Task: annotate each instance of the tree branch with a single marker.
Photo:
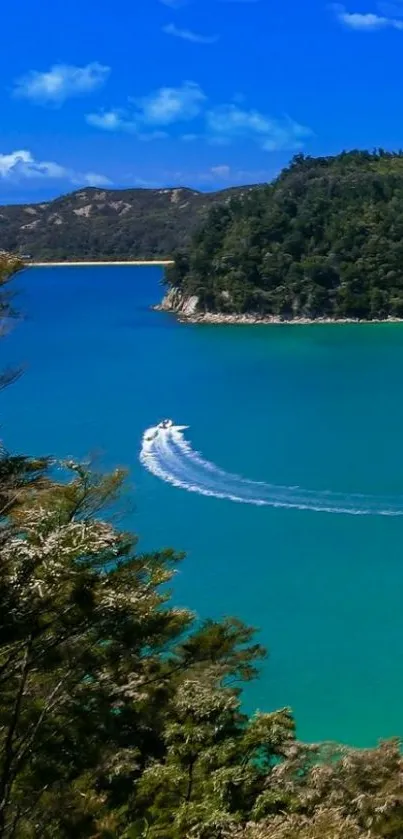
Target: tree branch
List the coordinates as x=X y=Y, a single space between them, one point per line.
x=6 y=775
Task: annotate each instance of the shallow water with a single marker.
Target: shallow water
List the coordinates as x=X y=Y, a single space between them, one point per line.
x=313 y=409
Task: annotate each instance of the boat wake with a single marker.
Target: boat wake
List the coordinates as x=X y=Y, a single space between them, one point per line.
x=167 y=454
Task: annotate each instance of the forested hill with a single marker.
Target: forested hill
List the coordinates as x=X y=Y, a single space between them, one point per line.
x=110 y=224
x=324 y=239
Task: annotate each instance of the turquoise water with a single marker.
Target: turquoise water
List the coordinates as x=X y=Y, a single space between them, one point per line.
x=317 y=407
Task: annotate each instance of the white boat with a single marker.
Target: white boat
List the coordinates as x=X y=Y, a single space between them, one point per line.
x=165 y=425
x=152 y=433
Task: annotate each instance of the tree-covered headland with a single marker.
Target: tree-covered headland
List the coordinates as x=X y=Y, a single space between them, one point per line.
x=325 y=239
x=120 y=713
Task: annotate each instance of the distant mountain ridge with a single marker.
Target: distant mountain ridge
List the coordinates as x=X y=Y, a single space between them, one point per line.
x=108 y=224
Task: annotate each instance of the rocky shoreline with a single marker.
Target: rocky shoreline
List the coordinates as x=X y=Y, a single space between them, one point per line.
x=186 y=311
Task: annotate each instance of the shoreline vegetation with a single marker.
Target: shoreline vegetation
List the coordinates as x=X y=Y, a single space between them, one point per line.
x=186 y=311
x=222 y=319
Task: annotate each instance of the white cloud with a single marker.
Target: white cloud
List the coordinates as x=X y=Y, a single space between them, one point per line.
x=367 y=22
x=226 y=123
x=151 y=117
x=20 y=165
x=188 y=35
x=222 y=171
x=61 y=82
x=161 y=108
x=113 y=120
x=218 y=176
x=171 y=104
x=120 y=120
x=95 y=179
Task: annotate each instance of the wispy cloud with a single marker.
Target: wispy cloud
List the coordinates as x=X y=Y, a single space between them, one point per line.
x=113 y=120
x=188 y=35
x=391 y=9
x=123 y=120
x=152 y=117
x=227 y=123
x=20 y=165
x=365 y=22
x=61 y=82
x=222 y=171
x=220 y=175
x=163 y=107
x=93 y=179
x=171 y=104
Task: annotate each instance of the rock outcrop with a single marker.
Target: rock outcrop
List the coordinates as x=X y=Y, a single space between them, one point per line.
x=175 y=301
x=185 y=308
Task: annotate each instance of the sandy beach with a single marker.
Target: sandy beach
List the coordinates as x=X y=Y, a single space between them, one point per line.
x=98 y=262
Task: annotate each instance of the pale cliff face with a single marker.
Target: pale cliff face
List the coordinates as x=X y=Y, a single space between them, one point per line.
x=174 y=301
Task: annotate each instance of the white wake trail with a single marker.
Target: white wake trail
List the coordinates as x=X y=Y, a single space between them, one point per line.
x=168 y=455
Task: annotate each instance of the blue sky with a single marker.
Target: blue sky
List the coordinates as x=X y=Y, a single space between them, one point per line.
x=205 y=93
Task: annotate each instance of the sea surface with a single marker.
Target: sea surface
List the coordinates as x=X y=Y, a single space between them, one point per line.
x=310 y=416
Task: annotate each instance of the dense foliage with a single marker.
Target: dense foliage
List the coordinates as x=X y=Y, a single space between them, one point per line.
x=325 y=239
x=106 y=224
x=120 y=713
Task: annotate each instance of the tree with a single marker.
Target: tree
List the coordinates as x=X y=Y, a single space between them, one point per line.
x=332 y=792
x=19 y=474
x=9 y=265
x=324 y=239
x=216 y=762
x=92 y=662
